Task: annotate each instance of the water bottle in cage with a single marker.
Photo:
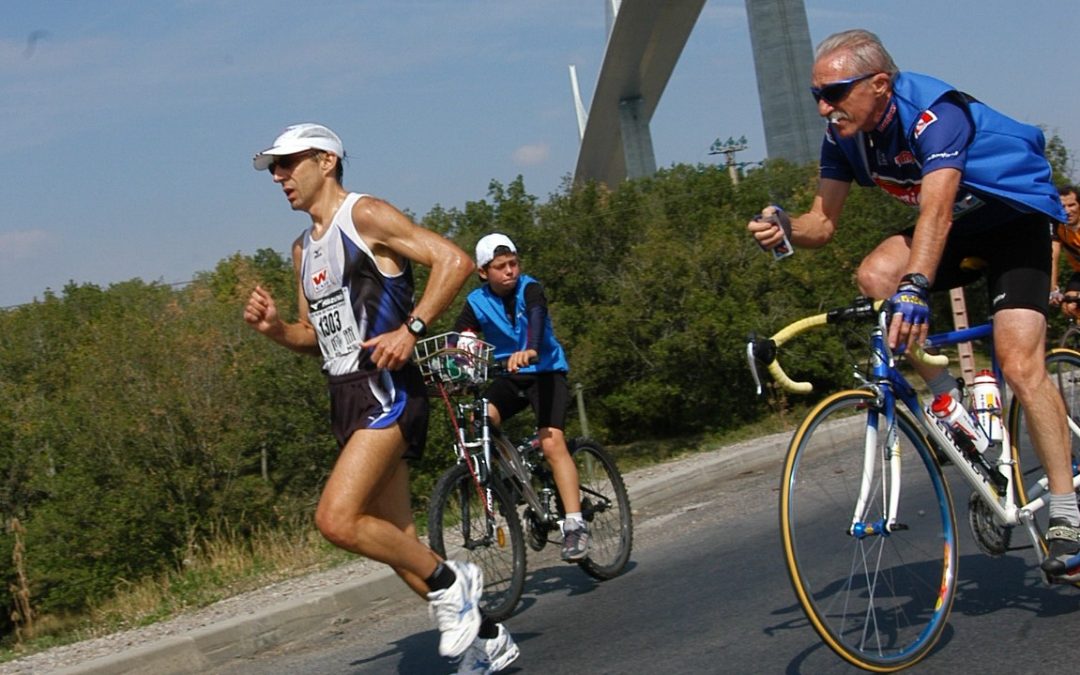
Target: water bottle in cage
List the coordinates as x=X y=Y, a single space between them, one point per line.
x=467 y=342
x=986 y=403
x=966 y=432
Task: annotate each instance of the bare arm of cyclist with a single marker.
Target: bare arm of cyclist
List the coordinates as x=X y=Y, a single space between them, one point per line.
x=931 y=229
x=813 y=229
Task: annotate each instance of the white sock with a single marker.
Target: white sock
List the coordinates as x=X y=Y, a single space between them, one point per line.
x=1064 y=506
x=944 y=383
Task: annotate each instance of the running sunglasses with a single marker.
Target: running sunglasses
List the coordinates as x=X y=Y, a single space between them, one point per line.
x=289 y=162
x=834 y=92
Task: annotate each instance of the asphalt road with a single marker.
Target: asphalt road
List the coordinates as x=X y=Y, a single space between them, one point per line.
x=706 y=593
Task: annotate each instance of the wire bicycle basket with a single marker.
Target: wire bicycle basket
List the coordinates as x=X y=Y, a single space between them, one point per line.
x=453 y=361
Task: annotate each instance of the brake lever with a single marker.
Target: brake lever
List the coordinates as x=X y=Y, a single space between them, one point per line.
x=759 y=350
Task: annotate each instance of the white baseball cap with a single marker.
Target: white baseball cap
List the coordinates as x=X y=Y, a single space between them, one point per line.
x=297 y=138
x=485 y=248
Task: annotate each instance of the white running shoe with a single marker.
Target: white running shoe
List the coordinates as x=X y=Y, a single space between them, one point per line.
x=456 y=610
x=489 y=656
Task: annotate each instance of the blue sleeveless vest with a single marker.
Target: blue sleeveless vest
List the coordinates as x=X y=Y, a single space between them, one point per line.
x=508 y=338
x=1005 y=158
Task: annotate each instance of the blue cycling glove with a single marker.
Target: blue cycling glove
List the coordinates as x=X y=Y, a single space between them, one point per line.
x=912 y=301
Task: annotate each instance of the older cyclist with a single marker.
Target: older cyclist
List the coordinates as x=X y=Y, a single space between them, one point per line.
x=982 y=185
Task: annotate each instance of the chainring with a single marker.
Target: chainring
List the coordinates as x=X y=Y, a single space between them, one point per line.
x=992 y=537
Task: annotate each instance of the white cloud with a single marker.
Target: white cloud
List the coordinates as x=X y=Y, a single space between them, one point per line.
x=22 y=244
x=532 y=154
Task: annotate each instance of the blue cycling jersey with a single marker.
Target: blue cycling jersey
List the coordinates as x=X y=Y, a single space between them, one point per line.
x=929 y=125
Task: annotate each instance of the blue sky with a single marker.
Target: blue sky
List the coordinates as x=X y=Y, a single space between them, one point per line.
x=129 y=125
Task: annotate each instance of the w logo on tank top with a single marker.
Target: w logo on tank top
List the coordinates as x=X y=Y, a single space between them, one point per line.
x=320 y=279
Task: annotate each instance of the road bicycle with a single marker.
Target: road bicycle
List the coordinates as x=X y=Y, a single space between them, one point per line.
x=1070 y=339
x=501 y=496
x=867 y=519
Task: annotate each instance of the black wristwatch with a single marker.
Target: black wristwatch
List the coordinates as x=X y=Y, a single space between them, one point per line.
x=916 y=279
x=416 y=326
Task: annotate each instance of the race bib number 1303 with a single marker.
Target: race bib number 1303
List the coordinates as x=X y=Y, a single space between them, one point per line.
x=335 y=325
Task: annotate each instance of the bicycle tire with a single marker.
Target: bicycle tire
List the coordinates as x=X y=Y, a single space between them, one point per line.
x=1070 y=339
x=456 y=530
x=605 y=505
x=879 y=602
x=1063 y=366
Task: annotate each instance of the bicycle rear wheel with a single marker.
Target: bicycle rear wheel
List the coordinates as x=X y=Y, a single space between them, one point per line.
x=458 y=529
x=1063 y=366
x=605 y=505
x=880 y=601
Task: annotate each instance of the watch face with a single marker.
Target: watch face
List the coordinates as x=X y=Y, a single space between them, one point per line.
x=416 y=326
x=918 y=279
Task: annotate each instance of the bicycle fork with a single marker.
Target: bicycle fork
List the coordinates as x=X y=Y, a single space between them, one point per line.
x=891 y=458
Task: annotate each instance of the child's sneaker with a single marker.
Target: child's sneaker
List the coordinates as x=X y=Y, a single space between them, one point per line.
x=575 y=541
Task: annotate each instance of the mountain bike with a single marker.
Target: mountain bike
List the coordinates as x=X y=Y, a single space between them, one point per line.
x=867 y=519
x=479 y=505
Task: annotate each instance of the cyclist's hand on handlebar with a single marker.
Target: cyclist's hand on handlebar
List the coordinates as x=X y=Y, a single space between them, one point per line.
x=519 y=360
x=911 y=315
x=1070 y=304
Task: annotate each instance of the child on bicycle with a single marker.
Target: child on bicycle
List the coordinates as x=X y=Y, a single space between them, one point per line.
x=510 y=311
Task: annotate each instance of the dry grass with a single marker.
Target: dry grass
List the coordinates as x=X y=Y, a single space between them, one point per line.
x=223 y=566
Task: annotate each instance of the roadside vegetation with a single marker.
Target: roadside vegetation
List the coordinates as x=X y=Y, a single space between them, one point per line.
x=157 y=455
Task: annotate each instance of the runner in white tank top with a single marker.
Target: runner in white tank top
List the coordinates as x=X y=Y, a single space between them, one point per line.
x=354 y=275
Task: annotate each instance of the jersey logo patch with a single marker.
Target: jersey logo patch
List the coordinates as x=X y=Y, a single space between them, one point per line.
x=889 y=115
x=905 y=157
x=925 y=119
x=320 y=279
x=906 y=191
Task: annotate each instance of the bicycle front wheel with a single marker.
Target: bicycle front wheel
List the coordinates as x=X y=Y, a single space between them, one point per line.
x=1071 y=338
x=605 y=505
x=879 y=600
x=459 y=529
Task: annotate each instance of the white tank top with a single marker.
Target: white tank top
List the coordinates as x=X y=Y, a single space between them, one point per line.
x=349 y=298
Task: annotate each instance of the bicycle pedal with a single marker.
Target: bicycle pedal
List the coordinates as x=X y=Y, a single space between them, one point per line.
x=1070 y=577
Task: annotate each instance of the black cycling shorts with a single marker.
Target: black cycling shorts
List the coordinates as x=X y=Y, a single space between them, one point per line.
x=1014 y=256
x=379 y=399
x=547 y=393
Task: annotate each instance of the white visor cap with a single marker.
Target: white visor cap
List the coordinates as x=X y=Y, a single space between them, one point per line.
x=298 y=138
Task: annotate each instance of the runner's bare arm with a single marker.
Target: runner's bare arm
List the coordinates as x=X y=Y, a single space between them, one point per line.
x=393 y=235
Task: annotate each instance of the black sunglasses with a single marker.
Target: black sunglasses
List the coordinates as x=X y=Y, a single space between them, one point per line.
x=834 y=92
x=289 y=162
